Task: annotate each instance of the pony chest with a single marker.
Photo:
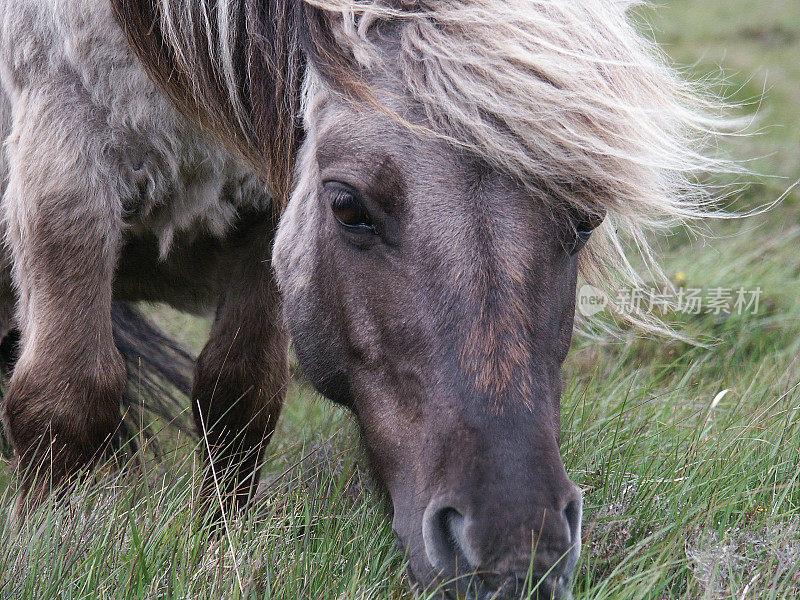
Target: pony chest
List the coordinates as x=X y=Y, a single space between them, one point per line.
x=193 y=192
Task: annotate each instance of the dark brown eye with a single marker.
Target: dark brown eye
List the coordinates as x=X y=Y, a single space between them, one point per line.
x=348 y=209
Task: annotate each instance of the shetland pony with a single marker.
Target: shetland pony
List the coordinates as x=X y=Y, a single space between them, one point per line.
x=407 y=188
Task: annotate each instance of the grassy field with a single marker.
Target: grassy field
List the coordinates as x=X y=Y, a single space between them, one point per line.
x=689 y=456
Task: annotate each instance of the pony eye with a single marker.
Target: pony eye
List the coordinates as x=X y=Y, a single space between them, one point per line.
x=348 y=209
x=581 y=237
x=583 y=228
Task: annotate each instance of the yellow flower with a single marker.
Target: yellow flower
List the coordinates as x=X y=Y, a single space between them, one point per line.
x=680 y=276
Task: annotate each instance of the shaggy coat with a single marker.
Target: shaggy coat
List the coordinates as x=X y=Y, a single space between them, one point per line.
x=110 y=192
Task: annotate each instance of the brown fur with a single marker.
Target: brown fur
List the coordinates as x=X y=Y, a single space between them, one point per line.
x=63 y=402
x=242 y=372
x=63 y=399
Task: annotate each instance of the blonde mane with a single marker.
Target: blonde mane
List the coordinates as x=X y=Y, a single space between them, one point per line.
x=569 y=99
x=565 y=96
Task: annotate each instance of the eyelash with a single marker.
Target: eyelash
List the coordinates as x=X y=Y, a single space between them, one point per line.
x=583 y=227
x=581 y=237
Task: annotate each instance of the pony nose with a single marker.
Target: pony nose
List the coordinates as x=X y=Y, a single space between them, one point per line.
x=455 y=544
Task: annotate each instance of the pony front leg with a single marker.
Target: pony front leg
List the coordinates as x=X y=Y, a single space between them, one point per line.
x=241 y=373
x=63 y=399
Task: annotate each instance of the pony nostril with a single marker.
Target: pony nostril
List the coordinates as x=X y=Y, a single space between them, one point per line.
x=444 y=539
x=572 y=514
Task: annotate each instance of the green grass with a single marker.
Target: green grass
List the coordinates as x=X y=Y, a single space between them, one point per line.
x=689 y=456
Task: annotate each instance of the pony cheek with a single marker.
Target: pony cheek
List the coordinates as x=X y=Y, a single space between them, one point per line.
x=318 y=348
x=300 y=275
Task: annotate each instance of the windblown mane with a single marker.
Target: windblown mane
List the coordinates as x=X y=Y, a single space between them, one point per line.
x=564 y=96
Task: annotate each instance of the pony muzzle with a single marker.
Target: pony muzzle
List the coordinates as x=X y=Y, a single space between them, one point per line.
x=477 y=555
